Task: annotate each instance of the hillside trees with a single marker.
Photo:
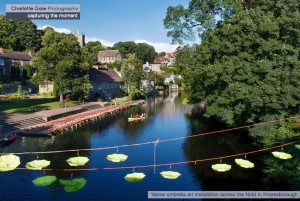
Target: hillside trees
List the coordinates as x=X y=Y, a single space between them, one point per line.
x=60 y=61
x=247 y=66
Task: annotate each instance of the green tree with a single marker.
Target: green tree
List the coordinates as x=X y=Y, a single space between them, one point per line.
x=247 y=69
x=145 y=52
x=161 y=54
x=91 y=50
x=60 y=62
x=125 y=48
x=27 y=71
x=132 y=72
x=7 y=39
x=15 y=72
x=27 y=35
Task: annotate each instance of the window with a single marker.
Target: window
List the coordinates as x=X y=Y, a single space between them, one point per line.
x=2 y=71
x=1 y=62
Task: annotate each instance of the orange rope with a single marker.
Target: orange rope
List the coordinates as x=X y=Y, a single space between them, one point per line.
x=153 y=142
x=169 y=164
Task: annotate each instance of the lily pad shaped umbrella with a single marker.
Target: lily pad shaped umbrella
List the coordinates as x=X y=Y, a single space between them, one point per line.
x=77 y=161
x=221 y=167
x=37 y=164
x=73 y=185
x=44 y=181
x=244 y=163
x=282 y=155
x=170 y=174
x=116 y=157
x=134 y=177
x=9 y=162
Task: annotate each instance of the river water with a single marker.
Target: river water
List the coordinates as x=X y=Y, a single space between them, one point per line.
x=168 y=118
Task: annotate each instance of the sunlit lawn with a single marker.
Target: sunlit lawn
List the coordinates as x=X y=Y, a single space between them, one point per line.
x=25 y=105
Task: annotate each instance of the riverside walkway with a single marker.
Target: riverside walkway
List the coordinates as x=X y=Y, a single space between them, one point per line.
x=50 y=122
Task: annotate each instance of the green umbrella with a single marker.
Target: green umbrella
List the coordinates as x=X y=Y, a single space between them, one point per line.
x=170 y=174
x=221 y=167
x=116 y=157
x=297 y=146
x=77 y=161
x=281 y=155
x=9 y=162
x=244 y=163
x=134 y=177
x=37 y=164
x=44 y=181
x=73 y=185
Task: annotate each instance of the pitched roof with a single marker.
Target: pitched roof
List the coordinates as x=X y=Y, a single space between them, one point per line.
x=2 y=55
x=108 y=53
x=18 y=56
x=104 y=75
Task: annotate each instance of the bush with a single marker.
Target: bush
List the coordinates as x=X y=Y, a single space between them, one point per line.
x=13 y=97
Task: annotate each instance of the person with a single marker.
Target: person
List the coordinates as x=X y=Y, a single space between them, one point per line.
x=136 y=116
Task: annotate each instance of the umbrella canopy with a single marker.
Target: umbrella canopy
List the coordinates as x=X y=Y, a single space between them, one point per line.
x=37 y=164
x=117 y=157
x=73 y=185
x=9 y=162
x=244 y=163
x=44 y=181
x=221 y=167
x=282 y=155
x=297 y=146
x=134 y=177
x=170 y=174
x=77 y=161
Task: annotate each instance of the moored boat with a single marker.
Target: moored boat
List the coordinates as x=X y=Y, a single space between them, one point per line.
x=10 y=137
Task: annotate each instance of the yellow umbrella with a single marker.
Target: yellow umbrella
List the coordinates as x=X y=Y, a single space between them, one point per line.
x=116 y=157
x=221 y=167
x=170 y=174
x=37 y=164
x=282 y=155
x=77 y=161
x=9 y=162
x=134 y=177
x=244 y=163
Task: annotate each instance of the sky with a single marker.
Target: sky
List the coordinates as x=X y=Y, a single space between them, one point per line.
x=111 y=21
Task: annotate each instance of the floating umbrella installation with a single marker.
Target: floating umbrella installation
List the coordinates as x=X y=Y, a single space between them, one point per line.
x=77 y=161
x=117 y=157
x=73 y=185
x=282 y=155
x=9 y=162
x=37 y=164
x=244 y=163
x=221 y=167
x=134 y=177
x=170 y=174
x=44 y=181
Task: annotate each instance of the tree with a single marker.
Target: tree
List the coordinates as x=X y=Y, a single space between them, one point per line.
x=145 y=52
x=125 y=48
x=7 y=39
x=200 y=17
x=27 y=71
x=60 y=62
x=15 y=72
x=161 y=54
x=247 y=69
x=27 y=36
x=132 y=72
x=91 y=51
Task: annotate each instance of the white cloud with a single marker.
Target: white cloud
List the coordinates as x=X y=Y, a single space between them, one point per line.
x=104 y=42
x=159 y=47
x=60 y=30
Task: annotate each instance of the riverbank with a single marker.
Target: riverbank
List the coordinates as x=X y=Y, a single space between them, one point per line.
x=58 y=120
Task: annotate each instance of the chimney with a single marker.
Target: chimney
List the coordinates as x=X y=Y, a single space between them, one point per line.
x=1 y=49
x=29 y=53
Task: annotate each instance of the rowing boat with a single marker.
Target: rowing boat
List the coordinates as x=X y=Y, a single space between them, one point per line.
x=136 y=118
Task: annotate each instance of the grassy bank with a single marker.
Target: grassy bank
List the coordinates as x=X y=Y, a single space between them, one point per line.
x=25 y=105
